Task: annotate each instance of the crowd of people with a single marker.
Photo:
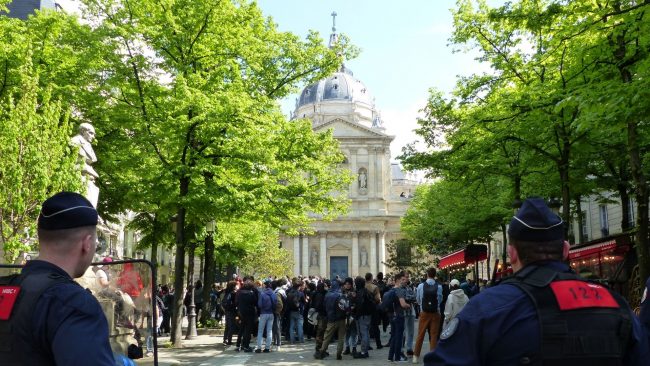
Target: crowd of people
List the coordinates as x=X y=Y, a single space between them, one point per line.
x=349 y=311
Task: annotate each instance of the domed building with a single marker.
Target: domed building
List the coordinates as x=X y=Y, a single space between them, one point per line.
x=355 y=243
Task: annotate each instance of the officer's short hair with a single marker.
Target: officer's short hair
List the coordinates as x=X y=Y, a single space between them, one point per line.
x=431 y=272
x=533 y=251
x=64 y=236
x=399 y=276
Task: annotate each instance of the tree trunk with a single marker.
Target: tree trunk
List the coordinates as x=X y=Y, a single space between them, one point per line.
x=179 y=269
x=581 y=220
x=208 y=276
x=625 y=206
x=641 y=189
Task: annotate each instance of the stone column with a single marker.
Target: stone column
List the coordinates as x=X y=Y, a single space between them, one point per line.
x=354 y=192
x=382 y=251
x=322 y=262
x=305 y=255
x=372 y=172
x=381 y=186
x=373 y=253
x=296 y=255
x=355 y=253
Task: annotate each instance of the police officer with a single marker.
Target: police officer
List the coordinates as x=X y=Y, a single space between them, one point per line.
x=53 y=320
x=544 y=314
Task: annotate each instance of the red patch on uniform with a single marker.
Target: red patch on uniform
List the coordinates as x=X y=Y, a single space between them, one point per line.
x=8 y=296
x=571 y=295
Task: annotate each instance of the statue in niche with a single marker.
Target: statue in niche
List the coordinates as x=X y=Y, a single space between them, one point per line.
x=363 y=179
x=364 y=257
x=86 y=158
x=314 y=257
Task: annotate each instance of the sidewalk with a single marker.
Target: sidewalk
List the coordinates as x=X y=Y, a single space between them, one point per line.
x=208 y=350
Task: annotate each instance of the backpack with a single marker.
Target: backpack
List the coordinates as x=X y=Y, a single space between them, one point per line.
x=430 y=298
x=228 y=302
x=387 y=301
x=312 y=316
x=265 y=301
x=293 y=300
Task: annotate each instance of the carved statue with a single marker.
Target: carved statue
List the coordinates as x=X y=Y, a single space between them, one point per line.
x=86 y=158
x=314 y=257
x=364 y=257
x=363 y=179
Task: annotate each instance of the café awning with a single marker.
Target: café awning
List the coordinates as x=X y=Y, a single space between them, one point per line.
x=469 y=255
x=592 y=250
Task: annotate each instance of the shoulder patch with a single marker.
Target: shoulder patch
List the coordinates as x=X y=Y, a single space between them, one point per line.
x=451 y=329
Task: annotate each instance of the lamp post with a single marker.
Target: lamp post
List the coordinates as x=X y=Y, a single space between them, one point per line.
x=191 y=311
x=208 y=271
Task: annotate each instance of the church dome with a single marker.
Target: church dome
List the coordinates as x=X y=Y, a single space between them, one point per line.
x=340 y=86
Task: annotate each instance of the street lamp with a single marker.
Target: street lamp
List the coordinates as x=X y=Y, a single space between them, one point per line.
x=191 y=309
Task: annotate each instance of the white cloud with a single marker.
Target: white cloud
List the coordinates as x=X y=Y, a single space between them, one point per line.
x=401 y=123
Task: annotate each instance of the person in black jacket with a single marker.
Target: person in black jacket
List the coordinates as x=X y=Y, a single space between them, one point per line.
x=246 y=300
x=318 y=303
x=365 y=307
x=335 y=320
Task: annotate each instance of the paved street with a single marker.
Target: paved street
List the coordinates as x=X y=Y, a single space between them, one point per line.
x=208 y=350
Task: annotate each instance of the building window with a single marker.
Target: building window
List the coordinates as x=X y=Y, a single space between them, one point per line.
x=604 y=220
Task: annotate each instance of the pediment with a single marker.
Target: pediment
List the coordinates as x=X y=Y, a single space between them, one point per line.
x=338 y=246
x=343 y=128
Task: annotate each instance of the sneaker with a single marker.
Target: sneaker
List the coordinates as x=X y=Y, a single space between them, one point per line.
x=415 y=359
x=266 y=350
x=258 y=351
x=318 y=355
x=248 y=349
x=403 y=359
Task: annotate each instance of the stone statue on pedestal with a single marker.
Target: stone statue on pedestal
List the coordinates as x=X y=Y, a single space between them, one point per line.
x=314 y=257
x=363 y=179
x=364 y=257
x=87 y=157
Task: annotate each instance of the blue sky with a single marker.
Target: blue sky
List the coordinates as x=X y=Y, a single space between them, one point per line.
x=403 y=46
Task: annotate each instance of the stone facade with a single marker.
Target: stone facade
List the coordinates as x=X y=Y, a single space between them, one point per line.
x=356 y=243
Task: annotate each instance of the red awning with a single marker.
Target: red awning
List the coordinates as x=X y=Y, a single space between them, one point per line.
x=453 y=259
x=592 y=249
x=471 y=254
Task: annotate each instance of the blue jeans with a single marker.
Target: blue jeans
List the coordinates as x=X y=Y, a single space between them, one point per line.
x=409 y=325
x=351 y=335
x=266 y=320
x=363 y=329
x=397 y=335
x=295 y=321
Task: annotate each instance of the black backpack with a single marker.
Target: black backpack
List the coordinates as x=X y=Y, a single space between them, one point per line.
x=430 y=298
x=228 y=302
x=293 y=300
x=388 y=301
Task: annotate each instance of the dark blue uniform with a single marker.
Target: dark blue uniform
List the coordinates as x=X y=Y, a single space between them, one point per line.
x=500 y=325
x=68 y=324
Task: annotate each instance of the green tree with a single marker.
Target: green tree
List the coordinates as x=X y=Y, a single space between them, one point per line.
x=192 y=105
x=37 y=159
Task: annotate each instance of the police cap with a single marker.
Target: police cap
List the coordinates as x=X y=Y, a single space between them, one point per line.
x=536 y=222
x=67 y=210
